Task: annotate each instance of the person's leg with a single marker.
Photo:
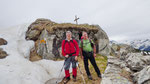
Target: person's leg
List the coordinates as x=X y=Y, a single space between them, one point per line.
x=85 y=55
x=67 y=66
x=93 y=62
x=74 y=67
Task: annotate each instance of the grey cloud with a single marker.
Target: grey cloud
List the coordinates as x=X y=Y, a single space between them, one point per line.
x=117 y=17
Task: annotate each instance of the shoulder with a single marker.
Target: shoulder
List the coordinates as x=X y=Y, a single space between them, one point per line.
x=63 y=41
x=74 y=40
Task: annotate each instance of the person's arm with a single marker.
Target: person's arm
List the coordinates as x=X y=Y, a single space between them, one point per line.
x=77 y=48
x=62 y=46
x=80 y=45
x=94 y=48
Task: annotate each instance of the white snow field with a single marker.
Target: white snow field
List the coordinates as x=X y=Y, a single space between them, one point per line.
x=16 y=67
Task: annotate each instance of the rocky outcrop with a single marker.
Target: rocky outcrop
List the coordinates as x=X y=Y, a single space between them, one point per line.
x=126 y=66
x=115 y=72
x=3 y=54
x=136 y=61
x=48 y=35
x=143 y=76
x=3 y=41
x=45 y=48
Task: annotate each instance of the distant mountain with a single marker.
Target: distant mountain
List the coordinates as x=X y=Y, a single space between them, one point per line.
x=113 y=41
x=142 y=44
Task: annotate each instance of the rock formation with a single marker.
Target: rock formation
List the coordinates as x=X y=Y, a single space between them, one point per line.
x=3 y=41
x=48 y=36
x=127 y=66
x=3 y=54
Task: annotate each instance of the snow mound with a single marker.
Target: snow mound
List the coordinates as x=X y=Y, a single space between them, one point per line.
x=16 y=67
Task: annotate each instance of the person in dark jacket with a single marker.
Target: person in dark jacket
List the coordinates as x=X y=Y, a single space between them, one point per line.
x=88 y=52
x=70 y=50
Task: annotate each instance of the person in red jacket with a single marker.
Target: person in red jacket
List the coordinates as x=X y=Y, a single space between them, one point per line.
x=70 y=50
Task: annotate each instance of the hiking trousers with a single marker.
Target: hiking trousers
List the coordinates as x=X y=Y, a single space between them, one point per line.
x=89 y=56
x=68 y=61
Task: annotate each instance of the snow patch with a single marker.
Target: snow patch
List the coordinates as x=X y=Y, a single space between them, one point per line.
x=16 y=67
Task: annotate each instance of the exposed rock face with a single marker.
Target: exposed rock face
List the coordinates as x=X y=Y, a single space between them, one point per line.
x=3 y=54
x=136 y=61
x=143 y=76
x=121 y=50
x=127 y=64
x=45 y=49
x=51 y=34
x=114 y=71
x=3 y=41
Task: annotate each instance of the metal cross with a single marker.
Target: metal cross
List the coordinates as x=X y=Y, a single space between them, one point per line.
x=76 y=19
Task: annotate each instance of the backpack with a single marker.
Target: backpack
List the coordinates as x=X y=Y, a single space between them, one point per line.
x=90 y=42
x=70 y=41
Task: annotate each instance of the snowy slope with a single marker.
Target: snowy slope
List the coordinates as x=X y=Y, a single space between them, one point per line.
x=142 y=44
x=16 y=68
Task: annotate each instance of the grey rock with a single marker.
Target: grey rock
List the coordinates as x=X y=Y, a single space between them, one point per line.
x=113 y=70
x=143 y=76
x=45 y=49
x=112 y=76
x=33 y=35
x=136 y=61
x=146 y=59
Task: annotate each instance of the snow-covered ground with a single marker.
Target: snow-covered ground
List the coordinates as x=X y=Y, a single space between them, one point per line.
x=142 y=44
x=16 y=68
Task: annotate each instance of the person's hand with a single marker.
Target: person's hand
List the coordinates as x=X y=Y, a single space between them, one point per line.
x=76 y=58
x=94 y=54
x=82 y=57
x=66 y=56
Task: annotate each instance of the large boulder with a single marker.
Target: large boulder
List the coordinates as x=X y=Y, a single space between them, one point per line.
x=114 y=72
x=121 y=50
x=48 y=35
x=143 y=76
x=136 y=61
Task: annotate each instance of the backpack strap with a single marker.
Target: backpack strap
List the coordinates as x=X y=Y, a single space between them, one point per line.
x=91 y=43
x=64 y=44
x=93 y=46
x=81 y=50
x=70 y=41
x=82 y=43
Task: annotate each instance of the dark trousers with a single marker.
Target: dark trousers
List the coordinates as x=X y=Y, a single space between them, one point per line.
x=89 y=56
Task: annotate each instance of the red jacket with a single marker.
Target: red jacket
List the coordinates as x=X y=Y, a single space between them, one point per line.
x=69 y=47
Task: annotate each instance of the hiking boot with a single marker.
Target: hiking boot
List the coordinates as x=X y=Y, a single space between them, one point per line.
x=74 y=78
x=99 y=76
x=66 y=80
x=90 y=77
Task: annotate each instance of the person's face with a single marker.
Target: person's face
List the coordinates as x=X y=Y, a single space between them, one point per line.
x=68 y=35
x=85 y=35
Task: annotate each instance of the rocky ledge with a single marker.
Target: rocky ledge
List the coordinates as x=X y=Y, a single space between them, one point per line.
x=127 y=66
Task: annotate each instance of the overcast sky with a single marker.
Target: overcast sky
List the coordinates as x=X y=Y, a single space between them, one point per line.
x=120 y=19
